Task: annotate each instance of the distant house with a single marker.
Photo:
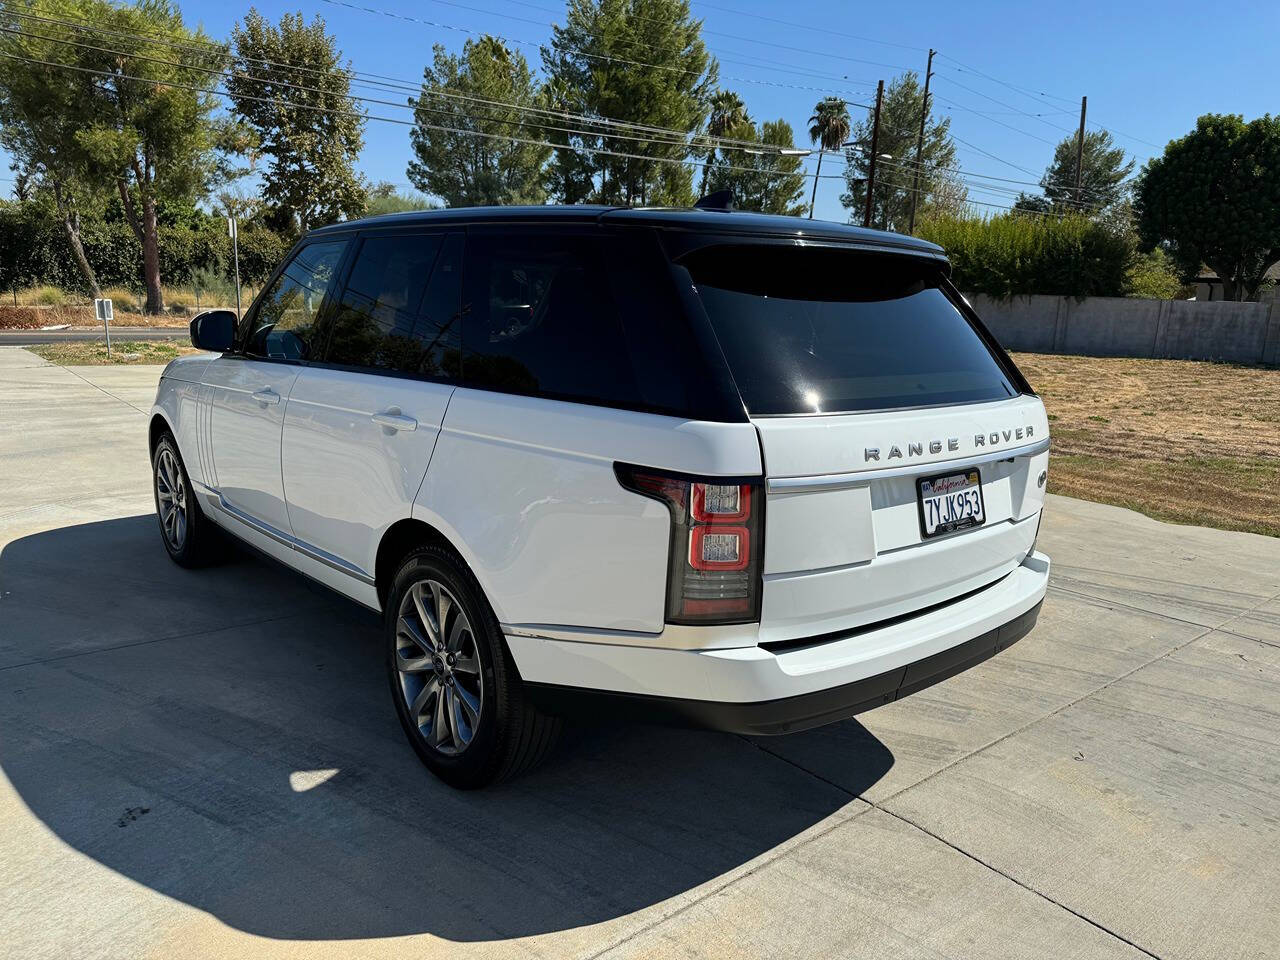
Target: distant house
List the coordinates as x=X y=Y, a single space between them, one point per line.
x=1209 y=287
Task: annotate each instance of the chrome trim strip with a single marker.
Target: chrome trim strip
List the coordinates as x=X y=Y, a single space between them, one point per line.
x=843 y=481
x=293 y=543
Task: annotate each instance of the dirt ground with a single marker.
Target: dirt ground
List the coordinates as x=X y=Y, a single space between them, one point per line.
x=1184 y=441
x=33 y=318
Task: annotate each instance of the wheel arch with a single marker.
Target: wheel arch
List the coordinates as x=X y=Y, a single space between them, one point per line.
x=159 y=425
x=399 y=538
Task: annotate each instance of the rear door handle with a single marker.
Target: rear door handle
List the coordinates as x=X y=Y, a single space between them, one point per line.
x=267 y=396
x=395 y=421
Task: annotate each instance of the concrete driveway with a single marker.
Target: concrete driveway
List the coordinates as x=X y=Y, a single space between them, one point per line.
x=208 y=764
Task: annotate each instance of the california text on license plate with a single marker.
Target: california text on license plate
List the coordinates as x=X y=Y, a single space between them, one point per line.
x=949 y=502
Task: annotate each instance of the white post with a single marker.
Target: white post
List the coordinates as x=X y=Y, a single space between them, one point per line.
x=103 y=309
x=235 y=252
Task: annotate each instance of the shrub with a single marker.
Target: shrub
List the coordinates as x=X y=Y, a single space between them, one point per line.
x=1154 y=276
x=43 y=296
x=123 y=299
x=1011 y=254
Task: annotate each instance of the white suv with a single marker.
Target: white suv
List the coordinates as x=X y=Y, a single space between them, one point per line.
x=746 y=472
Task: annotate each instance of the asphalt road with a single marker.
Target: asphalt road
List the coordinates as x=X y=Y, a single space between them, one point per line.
x=26 y=338
x=207 y=763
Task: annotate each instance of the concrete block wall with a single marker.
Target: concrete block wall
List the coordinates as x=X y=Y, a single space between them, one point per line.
x=1124 y=327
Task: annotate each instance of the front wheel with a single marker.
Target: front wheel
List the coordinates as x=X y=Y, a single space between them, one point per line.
x=188 y=536
x=455 y=686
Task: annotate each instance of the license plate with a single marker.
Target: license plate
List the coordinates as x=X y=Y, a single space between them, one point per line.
x=950 y=502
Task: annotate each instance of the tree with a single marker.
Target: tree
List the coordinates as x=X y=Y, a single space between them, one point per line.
x=1102 y=179
x=41 y=112
x=290 y=85
x=471 y=139
x=764 y=181
x=727 y=111
x=829 y=128
x=641 y=62
x=385 y=198
x=1153 y=276
x=150 y=131
x=896 y=165
x=1213 y=198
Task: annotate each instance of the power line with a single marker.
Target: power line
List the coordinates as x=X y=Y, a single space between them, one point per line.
x=169 y=84
x=597 y=56
x=704 y=31
x=676 y=138
x=690 y=139
x=1040 y=96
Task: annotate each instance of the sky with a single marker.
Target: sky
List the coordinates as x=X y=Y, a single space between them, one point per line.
x=1010 y=75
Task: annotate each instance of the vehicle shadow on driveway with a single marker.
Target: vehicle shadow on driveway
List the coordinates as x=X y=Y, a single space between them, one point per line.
x=226 y=738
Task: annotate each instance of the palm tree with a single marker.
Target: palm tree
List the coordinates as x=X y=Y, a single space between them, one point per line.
x=727 y=111
x=828 y=127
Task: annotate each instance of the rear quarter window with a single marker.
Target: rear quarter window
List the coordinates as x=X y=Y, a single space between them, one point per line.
x=822 y=330
x=589 y=316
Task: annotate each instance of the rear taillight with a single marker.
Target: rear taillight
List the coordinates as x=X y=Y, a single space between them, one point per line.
x=717 y=543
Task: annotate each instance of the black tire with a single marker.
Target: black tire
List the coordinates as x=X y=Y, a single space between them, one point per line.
x=197 y=545
x=511 y=736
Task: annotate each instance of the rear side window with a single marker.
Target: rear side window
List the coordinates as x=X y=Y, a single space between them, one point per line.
x=589 y=317
x=821 y=330
x=399 y=309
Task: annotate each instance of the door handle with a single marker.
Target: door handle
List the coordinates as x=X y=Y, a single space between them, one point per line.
x=266 y=396
x=395 y=421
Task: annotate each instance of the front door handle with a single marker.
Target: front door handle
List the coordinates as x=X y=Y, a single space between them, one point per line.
x=266 y=396
x=395 y=420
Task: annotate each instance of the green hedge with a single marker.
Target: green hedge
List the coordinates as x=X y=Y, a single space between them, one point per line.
x=34 y=251
x=1016 y=253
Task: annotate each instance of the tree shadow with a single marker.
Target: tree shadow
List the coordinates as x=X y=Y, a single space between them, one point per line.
x=225 y=737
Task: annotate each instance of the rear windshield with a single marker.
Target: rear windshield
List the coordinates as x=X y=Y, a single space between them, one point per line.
x=819 y=330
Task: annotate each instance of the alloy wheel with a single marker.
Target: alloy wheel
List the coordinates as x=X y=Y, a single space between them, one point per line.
x=439 y=669
x=171 y=495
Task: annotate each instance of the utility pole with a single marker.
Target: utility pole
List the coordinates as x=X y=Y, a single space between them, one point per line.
x=875 y=145
x=924 y=116
x=1084 y=103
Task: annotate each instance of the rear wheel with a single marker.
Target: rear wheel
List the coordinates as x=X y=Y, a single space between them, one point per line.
x=455 y=686
x=188 y=536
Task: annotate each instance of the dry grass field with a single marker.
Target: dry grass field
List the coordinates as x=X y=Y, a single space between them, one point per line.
x=1179 y=440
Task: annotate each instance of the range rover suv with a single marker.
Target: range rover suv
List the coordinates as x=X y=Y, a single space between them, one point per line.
x=746 y=472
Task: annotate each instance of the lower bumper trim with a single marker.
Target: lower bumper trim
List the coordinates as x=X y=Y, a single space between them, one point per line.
x=787 y=714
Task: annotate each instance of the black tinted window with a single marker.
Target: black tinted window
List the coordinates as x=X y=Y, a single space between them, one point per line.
x=284 y=324
x=542 y=318
x=814 y=329
x=399 y=309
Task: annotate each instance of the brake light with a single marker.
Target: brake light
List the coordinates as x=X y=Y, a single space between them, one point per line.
x=716 y=556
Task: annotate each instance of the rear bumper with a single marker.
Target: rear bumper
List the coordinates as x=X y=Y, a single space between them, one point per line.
x=753 y=690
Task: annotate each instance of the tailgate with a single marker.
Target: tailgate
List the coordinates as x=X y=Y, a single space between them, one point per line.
x=844 y=541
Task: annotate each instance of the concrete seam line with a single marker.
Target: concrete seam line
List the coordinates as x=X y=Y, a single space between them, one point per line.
x=733 y=880
x=1059 y=568
x=101 y=389
x=1110 y=604
x=143 y=643
x=925 y=830
x=1205 y=631
x=1014 y=880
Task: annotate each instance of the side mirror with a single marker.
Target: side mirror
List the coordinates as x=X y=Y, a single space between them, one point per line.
x=213 y=330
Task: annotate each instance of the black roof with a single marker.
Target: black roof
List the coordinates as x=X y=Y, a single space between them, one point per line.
x=709 y=221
